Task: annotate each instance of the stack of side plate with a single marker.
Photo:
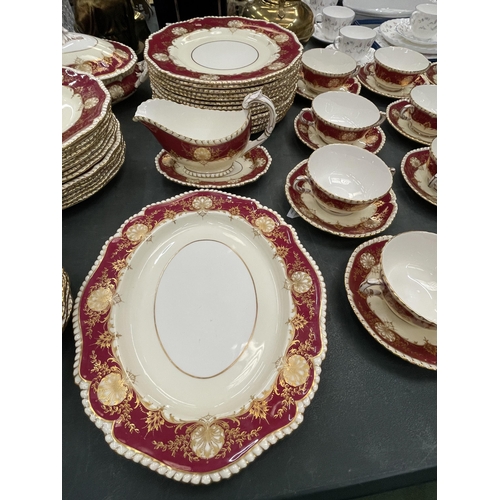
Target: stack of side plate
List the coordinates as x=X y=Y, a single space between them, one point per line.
x=114 y=63
x=93 y=149
x=214 y=62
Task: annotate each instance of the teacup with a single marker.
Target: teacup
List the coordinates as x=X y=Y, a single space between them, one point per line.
x=408 y=277
x=327 y=69
x=432 y=164
x=318 y=5
x=421 y=113
x=355 y=41
x=334 y=18
x=394 y=68
x=344 y=117
x=423 y=21
x=344 y=179
x=204 y=141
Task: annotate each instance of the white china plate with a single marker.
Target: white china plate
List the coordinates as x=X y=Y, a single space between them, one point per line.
x=383 y=8
x=201 y=328
x=390 y=33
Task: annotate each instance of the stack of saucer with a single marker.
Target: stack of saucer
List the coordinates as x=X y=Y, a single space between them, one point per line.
x=214 y=62
x=93 y=149
x=397 y=33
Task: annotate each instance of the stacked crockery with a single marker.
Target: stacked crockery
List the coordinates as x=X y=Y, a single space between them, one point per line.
x=112 y=62
x=417 y=32
x=93 y=149
x=214 y=62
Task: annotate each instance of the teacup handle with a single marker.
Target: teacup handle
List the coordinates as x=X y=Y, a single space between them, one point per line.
x=381 y=120
x=356 y=71
x=370 y=68
x=336 y=42
x=247 y=102
x=405 y=112
x=317 y=17
x=372 y=287
x=297 y=184
x=433 y=183
x=309 y=123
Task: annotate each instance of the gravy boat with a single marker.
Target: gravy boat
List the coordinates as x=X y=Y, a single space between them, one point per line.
x=205 y=142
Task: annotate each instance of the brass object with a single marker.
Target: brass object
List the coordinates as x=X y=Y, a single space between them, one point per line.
x=294 y=15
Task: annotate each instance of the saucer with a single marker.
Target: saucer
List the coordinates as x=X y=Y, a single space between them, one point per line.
x=368 y=222
x=402 y=126
x=404 y=29
x=319 y=35
x=352 y=85
x=416 y=174
x=373 y=141
x=389 y=32
x=412 y=343
x=245 y=169
x=370 y=57
x=368 y=81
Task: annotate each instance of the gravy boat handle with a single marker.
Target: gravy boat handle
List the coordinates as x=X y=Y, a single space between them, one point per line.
x=247 y=102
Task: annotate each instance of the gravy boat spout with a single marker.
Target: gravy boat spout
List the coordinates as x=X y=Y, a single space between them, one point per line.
x=205 y=142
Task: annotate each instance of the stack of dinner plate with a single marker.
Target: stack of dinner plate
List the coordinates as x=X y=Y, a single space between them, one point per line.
x=214 y=62
x=93 y=149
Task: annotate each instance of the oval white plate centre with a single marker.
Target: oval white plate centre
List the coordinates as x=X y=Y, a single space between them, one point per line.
x=72 y=107
x=205 y=308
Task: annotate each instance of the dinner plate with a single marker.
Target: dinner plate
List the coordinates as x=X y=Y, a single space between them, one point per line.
x=219 y=50
x=85 y=103
x=200 y=332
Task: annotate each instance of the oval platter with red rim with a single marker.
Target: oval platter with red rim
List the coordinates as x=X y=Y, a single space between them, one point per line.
x=189 y=427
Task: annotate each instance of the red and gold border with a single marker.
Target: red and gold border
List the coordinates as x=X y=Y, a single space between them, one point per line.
x=210 y=448
x=95 y=98
x=156 y=49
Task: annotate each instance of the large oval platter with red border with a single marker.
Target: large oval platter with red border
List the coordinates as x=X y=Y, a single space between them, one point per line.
x=194 y=403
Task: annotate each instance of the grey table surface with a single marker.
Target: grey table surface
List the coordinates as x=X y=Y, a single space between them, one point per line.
x=372 y=425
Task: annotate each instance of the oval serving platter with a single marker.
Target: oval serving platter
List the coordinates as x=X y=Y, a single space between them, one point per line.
x=200 y=331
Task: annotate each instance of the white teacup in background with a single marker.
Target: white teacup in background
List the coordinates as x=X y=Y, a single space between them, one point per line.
x=423 y=21
x=334 y=18
x=317 y=6
x=355 y=41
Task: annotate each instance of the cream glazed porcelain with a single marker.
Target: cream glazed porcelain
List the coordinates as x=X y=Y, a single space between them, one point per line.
x=204 y=141
x=408 y=281
x=344 y=178
x=198 y=396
